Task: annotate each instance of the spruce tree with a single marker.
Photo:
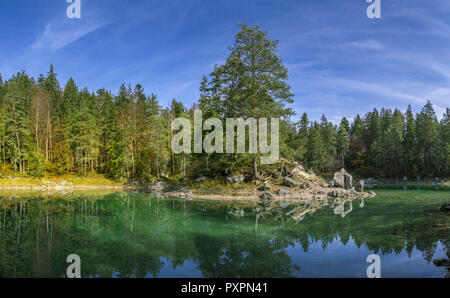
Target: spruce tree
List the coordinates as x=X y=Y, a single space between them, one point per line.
x=428 y=151
x=343 y=143
x=252 y=82
x=409 y=144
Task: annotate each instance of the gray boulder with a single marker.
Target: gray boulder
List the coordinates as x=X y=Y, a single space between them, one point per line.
x=343 y=179
x=337 y=193
x=202 y=179
x=306 y=185
x=360 y=186
x=266 y=196
x=283 y=192
x=298 y=170
x=265 y=187
x=289 y=182
x=236 y=179
x=370 y=181
x=158 y=185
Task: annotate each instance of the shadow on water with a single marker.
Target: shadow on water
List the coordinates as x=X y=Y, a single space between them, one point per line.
x=136 y=235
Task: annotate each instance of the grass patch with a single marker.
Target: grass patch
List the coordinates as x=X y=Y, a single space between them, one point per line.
x=66 y=180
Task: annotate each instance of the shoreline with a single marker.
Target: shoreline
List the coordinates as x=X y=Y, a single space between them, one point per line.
x=212 y=190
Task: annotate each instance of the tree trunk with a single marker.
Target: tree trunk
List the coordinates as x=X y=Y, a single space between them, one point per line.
x=255 y=169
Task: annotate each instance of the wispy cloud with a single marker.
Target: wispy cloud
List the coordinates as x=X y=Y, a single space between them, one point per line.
x=377 y=89
x=57 y=33
x=54 y=37
x=368 y=44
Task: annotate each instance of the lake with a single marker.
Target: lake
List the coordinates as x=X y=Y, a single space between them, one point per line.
x=130 y=234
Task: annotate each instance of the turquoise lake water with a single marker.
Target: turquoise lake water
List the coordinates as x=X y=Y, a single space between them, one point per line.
x=136 y=235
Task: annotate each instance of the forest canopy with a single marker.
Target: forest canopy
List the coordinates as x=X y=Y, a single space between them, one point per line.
x=49 y=129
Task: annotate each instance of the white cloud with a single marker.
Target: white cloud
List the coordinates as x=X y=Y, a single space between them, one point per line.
x=368 y=44
x=54 y=38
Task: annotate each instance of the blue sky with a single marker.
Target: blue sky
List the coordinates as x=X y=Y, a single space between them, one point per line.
x=340 y=62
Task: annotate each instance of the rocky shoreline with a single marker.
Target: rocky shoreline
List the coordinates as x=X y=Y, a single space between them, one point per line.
x=298 y=185
x=295 y=193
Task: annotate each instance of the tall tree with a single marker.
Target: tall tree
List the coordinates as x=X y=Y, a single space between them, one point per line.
x=428 y=151
x=252 y=82
x=445 y=143
x=343 y=142
x=409 y=144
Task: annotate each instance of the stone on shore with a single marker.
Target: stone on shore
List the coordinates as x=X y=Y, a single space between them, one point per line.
x=360 y=186
x=337 y=193
x=290 y=182
x=298 y=170
x=236 y=179
x=266 y=196
x=265 y=187
x=157 y=186
x=202 y=179
x=343 y=179
x=266 y=199
x=283 y=192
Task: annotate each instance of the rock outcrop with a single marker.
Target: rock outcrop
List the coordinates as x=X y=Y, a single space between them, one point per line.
x=306 y=185
x=266 y=196
x=283 y=192
x=265 y=187
x=343 y=179
x=157 y=186
x=290 y=182
x=337 y=193
x=360 y=186
x=202 y=179
x=236 y=179
x=298 y=170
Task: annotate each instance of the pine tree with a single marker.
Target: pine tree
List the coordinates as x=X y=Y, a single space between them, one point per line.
x=18 y=134
x=445 y=143
x=301 y=140
x=316 y=151
x=252 y=82
x=358 y=147
x=409 y=144
x=428 y=151
x=328 y=133
x=46 y=130
x=343 y=143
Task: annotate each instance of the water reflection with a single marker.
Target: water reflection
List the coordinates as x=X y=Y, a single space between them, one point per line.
x=340 y=210
x=134 y=235
x=338 y=206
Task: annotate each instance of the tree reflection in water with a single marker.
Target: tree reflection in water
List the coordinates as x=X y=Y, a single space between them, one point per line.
x=134 y=235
